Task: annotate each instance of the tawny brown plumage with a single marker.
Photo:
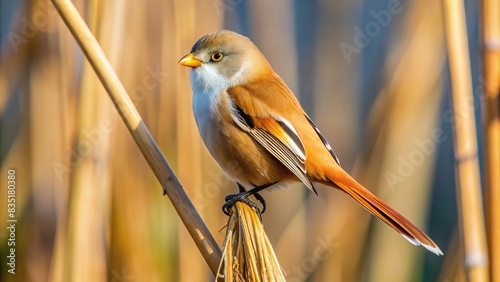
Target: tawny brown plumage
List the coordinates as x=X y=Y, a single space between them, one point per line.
x=255 y=128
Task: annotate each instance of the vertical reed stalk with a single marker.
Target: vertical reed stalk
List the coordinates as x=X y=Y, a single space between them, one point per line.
x=472 y=230
x=90 y=186
x=189 y=163
x=491 y=70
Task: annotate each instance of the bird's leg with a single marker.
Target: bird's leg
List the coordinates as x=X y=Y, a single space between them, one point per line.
x=241 y=188
x=255 y=193
x=243 y=195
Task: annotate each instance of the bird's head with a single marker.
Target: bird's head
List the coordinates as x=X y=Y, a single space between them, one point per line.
x=223 y=59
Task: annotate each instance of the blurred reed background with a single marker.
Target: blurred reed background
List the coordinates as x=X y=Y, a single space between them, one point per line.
x=372 y=74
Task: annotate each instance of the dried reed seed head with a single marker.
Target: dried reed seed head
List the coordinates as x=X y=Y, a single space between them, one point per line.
x=247 y=252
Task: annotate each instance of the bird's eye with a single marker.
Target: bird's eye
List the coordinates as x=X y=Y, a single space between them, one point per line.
x=216 y=56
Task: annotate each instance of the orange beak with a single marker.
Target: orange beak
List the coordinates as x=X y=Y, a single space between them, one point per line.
x=190 y=61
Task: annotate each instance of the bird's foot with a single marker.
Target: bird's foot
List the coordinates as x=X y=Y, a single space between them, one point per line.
x=243 y=197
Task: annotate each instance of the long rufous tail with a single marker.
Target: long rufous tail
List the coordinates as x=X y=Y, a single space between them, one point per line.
x=380 y=209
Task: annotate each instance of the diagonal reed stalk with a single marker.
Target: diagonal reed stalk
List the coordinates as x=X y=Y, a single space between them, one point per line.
x=472 y=230
x=171 y=186
x=491 y=70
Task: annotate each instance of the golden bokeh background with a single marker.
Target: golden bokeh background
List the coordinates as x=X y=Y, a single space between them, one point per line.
x=372 y=74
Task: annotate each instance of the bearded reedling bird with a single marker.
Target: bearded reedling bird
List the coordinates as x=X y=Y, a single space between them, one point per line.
x=257 y=131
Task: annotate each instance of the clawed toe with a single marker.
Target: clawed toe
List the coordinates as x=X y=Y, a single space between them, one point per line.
x=242 y=197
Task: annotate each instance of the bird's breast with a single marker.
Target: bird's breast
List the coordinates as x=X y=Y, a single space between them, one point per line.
x=205 y=112
x=236 y=151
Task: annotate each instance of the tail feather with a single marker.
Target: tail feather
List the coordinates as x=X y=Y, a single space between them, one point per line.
x=382 y=210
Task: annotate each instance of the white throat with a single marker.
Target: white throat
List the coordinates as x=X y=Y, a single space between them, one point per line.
x=208 y=87
x=206 y=79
